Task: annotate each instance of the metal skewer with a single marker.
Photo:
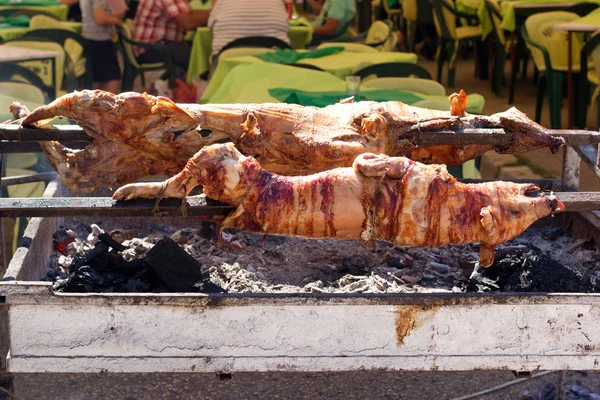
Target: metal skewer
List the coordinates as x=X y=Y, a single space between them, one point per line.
x=74 y=133
x=194 y=206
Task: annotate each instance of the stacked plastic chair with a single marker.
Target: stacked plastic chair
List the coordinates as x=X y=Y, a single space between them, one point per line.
x=549 y=51
x=450 y=35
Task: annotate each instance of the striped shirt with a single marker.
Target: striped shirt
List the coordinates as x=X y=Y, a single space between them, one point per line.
x=155 y=21
x=235 y=19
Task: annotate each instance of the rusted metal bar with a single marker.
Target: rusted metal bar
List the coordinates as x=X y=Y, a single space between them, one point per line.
x=571 y=170
x=544 y=184
x=194 y=206
x=20 y=179
x=576 y=137
x=33 y=147
x=580 y=201
x=56 y=132
x=591 y=156
x=424 y=138
x=105 y=206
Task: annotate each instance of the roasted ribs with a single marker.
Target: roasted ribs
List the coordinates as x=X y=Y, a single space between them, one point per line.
x=137 y=135
x=384 y=198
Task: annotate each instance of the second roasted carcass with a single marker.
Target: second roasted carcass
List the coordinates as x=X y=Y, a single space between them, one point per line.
x=137 y=135
x=385 y=198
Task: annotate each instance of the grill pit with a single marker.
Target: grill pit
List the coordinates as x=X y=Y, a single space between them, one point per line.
x=546 y=258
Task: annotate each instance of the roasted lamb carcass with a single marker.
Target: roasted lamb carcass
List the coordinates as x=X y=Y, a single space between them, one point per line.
x=136 y=135
x=385 y=198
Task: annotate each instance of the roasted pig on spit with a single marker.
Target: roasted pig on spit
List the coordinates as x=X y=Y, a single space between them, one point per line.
x=385 y=198
x=137 y=135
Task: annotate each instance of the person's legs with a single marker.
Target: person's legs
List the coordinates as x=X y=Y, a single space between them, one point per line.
x=106 y=74
x=179 y=52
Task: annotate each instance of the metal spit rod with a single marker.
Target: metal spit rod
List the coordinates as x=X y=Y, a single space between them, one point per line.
x=194 y=206
x=74 y=133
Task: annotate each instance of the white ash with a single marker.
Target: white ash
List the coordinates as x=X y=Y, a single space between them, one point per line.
x=299 y=265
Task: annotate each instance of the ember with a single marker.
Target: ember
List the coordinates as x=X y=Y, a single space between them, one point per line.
x=192 y=260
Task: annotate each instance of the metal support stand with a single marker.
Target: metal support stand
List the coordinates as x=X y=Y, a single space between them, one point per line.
x=571 y=170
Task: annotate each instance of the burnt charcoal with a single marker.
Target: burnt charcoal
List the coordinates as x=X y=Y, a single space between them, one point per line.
x=208 y=230
x=395 y=262
x=83 y=259
x=275 y=240
x=206 y=286
x=109 y=241
x=546 y=392
x=178 y=270
x=82 y=281
x=350 y=267
x=575 y=391
x=553 y=232
x=106 y=261
x=133 y=285
x=62 y=237
x=528 y=271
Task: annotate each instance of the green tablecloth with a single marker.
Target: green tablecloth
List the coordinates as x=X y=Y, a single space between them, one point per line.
x=325 y=98
x=13 y=32
x=60 y=10
x=322 y=99
x=340 y=65
x=300 y=36
x=508 y=12
x=250 y=83
x=273 y=83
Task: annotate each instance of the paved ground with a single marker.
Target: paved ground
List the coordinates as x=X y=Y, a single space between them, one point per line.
x=355 y=385
x=297 y=386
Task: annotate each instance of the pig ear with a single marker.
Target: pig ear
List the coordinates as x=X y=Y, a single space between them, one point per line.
x=488 y=221
x=487 y=253
x=378 y=165
x=370 y=164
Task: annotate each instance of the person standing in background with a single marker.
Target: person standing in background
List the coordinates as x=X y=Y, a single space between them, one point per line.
x=235 y=19
x=99 y=18
x=333 y=18
x=166 y=22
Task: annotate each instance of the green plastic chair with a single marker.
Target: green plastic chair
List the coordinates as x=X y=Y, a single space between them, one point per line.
x=501 y=47
x=78 y=63
x=393 y=13
x=349 y=46
x=390 y=70
x=417 y=85
x=42 y=67
x=243 y=51
x=590 y=49
x=132 y=67
x=549 y=51
x=450 y=36
x=380 y=36
x=12 y=73
x=24 y=91
x=28 y=12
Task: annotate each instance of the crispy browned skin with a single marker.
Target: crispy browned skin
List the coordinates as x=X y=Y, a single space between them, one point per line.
x=136 y=135
x=385 y=198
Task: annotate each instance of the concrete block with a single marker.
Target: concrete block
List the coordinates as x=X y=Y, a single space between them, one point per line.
x=492 y=162
x=517 y=172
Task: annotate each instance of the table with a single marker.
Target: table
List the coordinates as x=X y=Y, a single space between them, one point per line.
x=325 y=98
x=13 y=32
x=339 y=65
x=588 y=24
x=510 y=10
x=15 y=54
x=300 y=36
